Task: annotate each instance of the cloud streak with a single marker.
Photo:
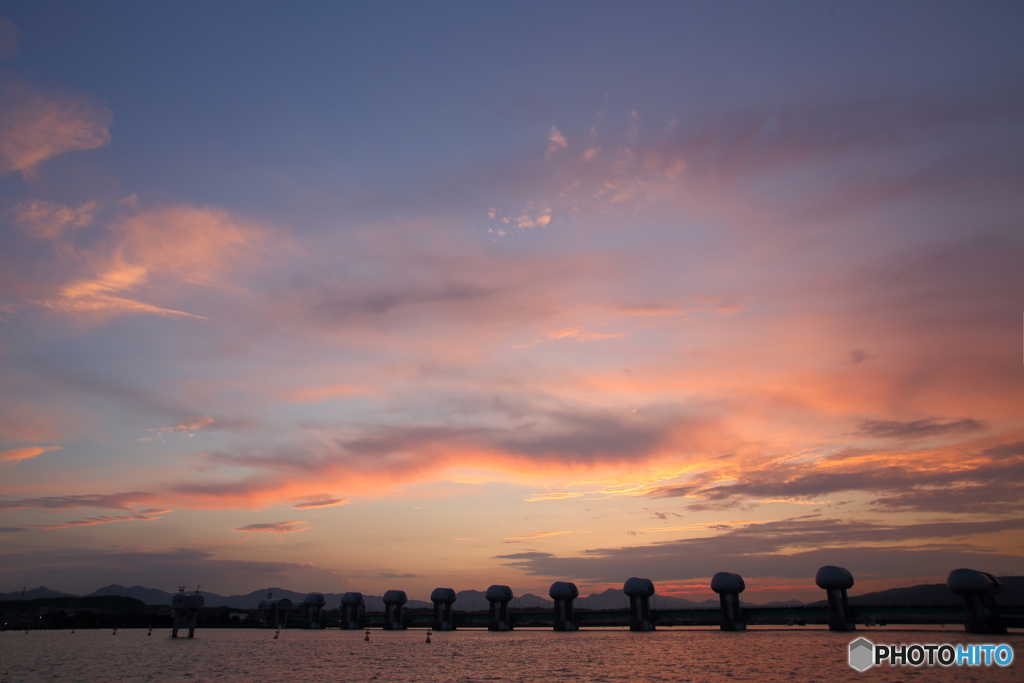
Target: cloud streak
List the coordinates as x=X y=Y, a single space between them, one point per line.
x=791 y=548
x=275 y=527
x=142 y=515
x=110 y=501
x=19 y=454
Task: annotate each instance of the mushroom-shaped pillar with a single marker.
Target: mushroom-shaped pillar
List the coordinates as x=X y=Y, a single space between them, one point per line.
x=314 y=606
x=352 y=609
x=393 y=601
x=498 y=597
x=185 y=608
x=275 y=612
x=443 y=599
x=978 y=589
x=563 y=593
x=639 y=592
x=729 y=586
x=836 y=581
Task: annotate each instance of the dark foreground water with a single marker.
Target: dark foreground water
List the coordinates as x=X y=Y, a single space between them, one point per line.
x=243 y=655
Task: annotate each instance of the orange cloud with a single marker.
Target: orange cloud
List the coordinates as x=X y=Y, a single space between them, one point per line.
x=539 y=534
x=575 y=334
x=18 y=454
x=189 y=425
x=36 y=125
x=275 y=527
x=556 y=495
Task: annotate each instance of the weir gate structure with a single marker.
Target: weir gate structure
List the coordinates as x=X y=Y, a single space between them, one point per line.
x=979 y=613
x=185 y=608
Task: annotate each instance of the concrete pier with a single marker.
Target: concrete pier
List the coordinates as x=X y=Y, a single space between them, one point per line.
x=353 y=607
x=729 y=586
x=185 y=609
x=563 y=593
x=978 y=590
x=498 y=597
x=836 y=581
x=639 y=592
x=443 y=599
x=393 y=601
x=314 y=606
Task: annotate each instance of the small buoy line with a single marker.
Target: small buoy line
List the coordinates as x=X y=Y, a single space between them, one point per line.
x=277 y=633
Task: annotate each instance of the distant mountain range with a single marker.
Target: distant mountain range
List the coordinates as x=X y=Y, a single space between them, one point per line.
x=471 y=600
x=935 y=594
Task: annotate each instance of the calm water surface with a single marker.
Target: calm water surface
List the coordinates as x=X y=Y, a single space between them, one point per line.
x=244 y=655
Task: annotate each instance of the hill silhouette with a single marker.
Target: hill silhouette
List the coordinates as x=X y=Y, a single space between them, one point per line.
x=474 y=600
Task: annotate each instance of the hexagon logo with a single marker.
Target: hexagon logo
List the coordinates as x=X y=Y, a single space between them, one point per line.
x=862 y=654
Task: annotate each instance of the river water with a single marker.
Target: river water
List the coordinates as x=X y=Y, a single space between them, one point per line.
x=251 y=655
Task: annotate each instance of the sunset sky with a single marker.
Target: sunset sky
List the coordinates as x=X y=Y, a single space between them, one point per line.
x=358 y=296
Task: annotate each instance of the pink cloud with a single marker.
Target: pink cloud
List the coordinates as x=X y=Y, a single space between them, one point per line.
x=556 y=141
x=47 y=220
x=146 y=254
x=37 y=125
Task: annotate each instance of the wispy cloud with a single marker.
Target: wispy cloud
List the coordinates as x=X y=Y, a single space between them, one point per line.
x=275 y=527
x=323 y=502
x=46 y=220
x=36 y=125
x=110 y=501
x=144 y=253
x=142 y=515
x=554 y=495
x=17 y=454
x=190 y=425
x=973 y=476
x=539 y=534
x=573 y=334
x=918 y=428
x=8 y=39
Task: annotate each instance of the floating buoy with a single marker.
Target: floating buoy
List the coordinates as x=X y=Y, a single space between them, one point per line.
x=366 y=637
x=428 y=636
